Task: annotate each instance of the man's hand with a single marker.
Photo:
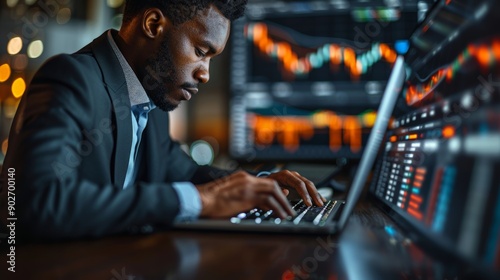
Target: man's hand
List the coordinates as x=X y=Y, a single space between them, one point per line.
x=304 y=187
x=241 y=192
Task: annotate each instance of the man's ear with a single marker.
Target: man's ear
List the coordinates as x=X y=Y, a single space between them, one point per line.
x=154 y=23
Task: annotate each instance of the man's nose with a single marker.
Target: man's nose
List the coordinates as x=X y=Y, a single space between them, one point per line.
x=202 y=74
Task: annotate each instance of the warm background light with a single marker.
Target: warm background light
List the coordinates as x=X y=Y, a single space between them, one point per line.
x=5 y=145
x=15 y=45
x=35 y=49
x=4 y=72
x=114 y=3
x=10 y=106
x=63 y=16
x=18 y=87
x=369 y=119
x=11 y=3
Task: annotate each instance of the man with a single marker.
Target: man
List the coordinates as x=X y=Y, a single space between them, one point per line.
x=90 y=144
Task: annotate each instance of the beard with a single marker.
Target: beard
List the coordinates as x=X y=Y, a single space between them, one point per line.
x=158 y=73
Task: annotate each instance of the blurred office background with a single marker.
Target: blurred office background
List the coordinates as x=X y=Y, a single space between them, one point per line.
x=33 y=30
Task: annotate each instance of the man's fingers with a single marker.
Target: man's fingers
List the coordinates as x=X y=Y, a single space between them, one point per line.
x=269 y=202
x=272 y=189
x=240 y=192
x=294 y=181
x=311 y=189
x=281 y=198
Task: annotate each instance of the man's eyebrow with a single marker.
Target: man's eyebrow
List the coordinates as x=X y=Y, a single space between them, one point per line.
x=209 y=45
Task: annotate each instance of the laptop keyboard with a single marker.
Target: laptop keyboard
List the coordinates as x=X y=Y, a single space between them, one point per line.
x=304 y=214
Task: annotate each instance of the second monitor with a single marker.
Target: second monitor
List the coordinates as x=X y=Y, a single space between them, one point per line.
x=307 y=77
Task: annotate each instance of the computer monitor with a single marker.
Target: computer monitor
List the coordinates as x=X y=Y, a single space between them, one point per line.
x=307 y=76
x=439 y=170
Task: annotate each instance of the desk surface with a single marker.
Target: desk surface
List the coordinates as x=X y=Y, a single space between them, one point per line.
x=365 y=250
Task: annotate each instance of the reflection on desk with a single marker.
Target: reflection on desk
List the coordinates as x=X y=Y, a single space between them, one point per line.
x=370 y=248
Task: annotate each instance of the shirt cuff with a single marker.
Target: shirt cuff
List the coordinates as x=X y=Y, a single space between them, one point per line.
x=189 y=201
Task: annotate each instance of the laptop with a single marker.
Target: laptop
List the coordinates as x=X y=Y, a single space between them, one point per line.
x=331 y=217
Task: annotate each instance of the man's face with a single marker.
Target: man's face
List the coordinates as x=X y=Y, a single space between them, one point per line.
x=182 y=61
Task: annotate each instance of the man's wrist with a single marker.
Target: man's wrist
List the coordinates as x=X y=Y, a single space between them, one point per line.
x=205 y=201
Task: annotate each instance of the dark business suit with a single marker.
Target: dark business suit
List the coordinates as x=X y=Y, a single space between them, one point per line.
x=70 y=144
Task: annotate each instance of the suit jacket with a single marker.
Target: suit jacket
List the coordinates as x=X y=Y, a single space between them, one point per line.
x=70 y=143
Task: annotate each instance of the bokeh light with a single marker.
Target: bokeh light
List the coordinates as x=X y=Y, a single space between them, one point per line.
x=369 y=118
x=114 y=3
x=202 y=153
x=5 y=145
x=21 y=10
x=4 y=72
x=63 y=16
x=10 y=105
x=15 y=45
x=11 y=3
x=35 y=49
x=29 y=2
x=18 y=87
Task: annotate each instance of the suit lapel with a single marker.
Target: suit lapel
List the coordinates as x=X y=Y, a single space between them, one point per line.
x=116 y=85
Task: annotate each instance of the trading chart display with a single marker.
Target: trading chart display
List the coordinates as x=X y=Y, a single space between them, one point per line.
x=306 y=77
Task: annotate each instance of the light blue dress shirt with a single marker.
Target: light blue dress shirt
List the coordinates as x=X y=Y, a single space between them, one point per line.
x=141 y=105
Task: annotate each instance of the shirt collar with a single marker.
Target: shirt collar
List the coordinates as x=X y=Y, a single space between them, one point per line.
x=137 y=93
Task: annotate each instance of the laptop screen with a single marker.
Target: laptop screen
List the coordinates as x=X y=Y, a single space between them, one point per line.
x=439 y=168
x=391 y=93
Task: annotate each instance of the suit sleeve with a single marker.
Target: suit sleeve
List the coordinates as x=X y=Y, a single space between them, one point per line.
x=49 y=121
x=183 y=168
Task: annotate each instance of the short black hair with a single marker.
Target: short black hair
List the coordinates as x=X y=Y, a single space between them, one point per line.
x=179 y=11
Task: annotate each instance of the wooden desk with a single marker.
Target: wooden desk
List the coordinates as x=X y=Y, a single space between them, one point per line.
x=363 y=251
